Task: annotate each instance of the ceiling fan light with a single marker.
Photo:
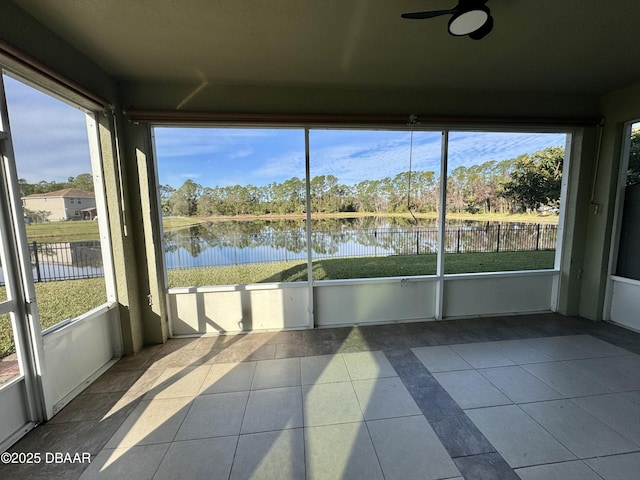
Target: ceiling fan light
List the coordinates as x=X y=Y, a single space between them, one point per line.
x=468 y=21
x=483 y=31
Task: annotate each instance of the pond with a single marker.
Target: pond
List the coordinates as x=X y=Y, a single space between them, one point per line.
x=243 y=242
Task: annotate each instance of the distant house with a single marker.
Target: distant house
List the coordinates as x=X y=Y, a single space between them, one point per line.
x=61 y=205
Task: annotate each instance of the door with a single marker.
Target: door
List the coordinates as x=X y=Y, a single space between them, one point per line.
x=624 y=281
x=21 y=347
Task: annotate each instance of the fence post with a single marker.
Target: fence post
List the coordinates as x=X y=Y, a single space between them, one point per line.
x=37 y=262
x=235 y=248
x=417 y=242
x=458 y=242
x=538 y=237
x=498 y=241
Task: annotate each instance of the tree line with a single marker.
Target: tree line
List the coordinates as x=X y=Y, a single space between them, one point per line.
x=524 y=183
x=84 y=181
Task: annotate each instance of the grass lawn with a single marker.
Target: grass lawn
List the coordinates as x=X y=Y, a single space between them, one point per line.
x=58 y=301
x=84 y=230
x=367 y=267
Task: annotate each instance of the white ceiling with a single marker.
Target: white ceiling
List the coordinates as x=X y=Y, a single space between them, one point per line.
x=539 y=46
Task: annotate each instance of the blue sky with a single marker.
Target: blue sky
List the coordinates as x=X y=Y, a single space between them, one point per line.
x=50 y=143
x=224 y=157
x=49 y=136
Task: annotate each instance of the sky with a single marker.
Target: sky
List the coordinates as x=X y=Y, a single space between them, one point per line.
x=50 y=143
x=49 y=136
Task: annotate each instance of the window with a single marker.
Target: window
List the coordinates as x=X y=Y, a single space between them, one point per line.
x=503 y=201
x=233 y=205
x=374 y=202
x=628 y=262
x=234 y=202
x=67 y=263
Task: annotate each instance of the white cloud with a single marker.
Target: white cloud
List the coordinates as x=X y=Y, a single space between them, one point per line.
x=49 y=137
x=469 y=148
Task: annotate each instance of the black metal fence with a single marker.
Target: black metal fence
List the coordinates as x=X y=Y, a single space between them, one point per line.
x=246 y=248
x=65 y=261
x=78 y=260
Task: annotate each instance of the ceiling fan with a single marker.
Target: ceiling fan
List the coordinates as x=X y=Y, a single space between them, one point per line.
x=469 y=17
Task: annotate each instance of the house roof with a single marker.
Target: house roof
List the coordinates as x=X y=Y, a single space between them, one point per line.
x=67 y=192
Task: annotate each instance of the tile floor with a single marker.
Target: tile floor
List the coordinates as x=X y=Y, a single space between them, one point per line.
x=529 y=397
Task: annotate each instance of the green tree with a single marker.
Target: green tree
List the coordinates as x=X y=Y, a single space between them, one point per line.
x=633 y=172
x=165 y=196
x=184 y=201
x=84 y=181
x=536 y=179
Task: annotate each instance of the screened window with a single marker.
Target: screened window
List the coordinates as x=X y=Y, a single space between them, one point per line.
x=503 y=201
x=374 y=203
x=233 y=204
x=51 y=150
x=628 y=264
x=240 y=205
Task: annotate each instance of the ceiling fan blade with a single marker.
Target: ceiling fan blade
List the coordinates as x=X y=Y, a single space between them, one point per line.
x=431 y=14
x=466 y=4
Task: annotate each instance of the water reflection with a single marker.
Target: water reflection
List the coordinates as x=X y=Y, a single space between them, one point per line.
x=241 y=242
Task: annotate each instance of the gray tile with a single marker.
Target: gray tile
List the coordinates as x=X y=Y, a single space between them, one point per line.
x=408 y=448
x=138 y=462
x=566 y=380
x=114 y=381
x=440 y=359
x=144 y=382
x=519 y=351
x=178 y=382
x=323 y=369
x=470 y=389
x=43 y=470
x=87 y=407
x=595 y=346
x=608 y=372
x=384 y=398
x=276 y=455
x=215 y=415
x=273 y=409
x=520 y=440
x=558 y=348
x=575 y=470
x=330 y=403
x=519 y=385
x=172 y=359
x=633 y=397
x=486 y=466
x=579 y=431
x=152 y=421
x=616 y=411
x=480 y=355
x=455 y=430
x=340 y=451
x=203 y=459
x=629 y=362
x=264 y=352
x=366 y=365
x=616 y=467
x=283 y=372
x=228 y=377
x=290 y=350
